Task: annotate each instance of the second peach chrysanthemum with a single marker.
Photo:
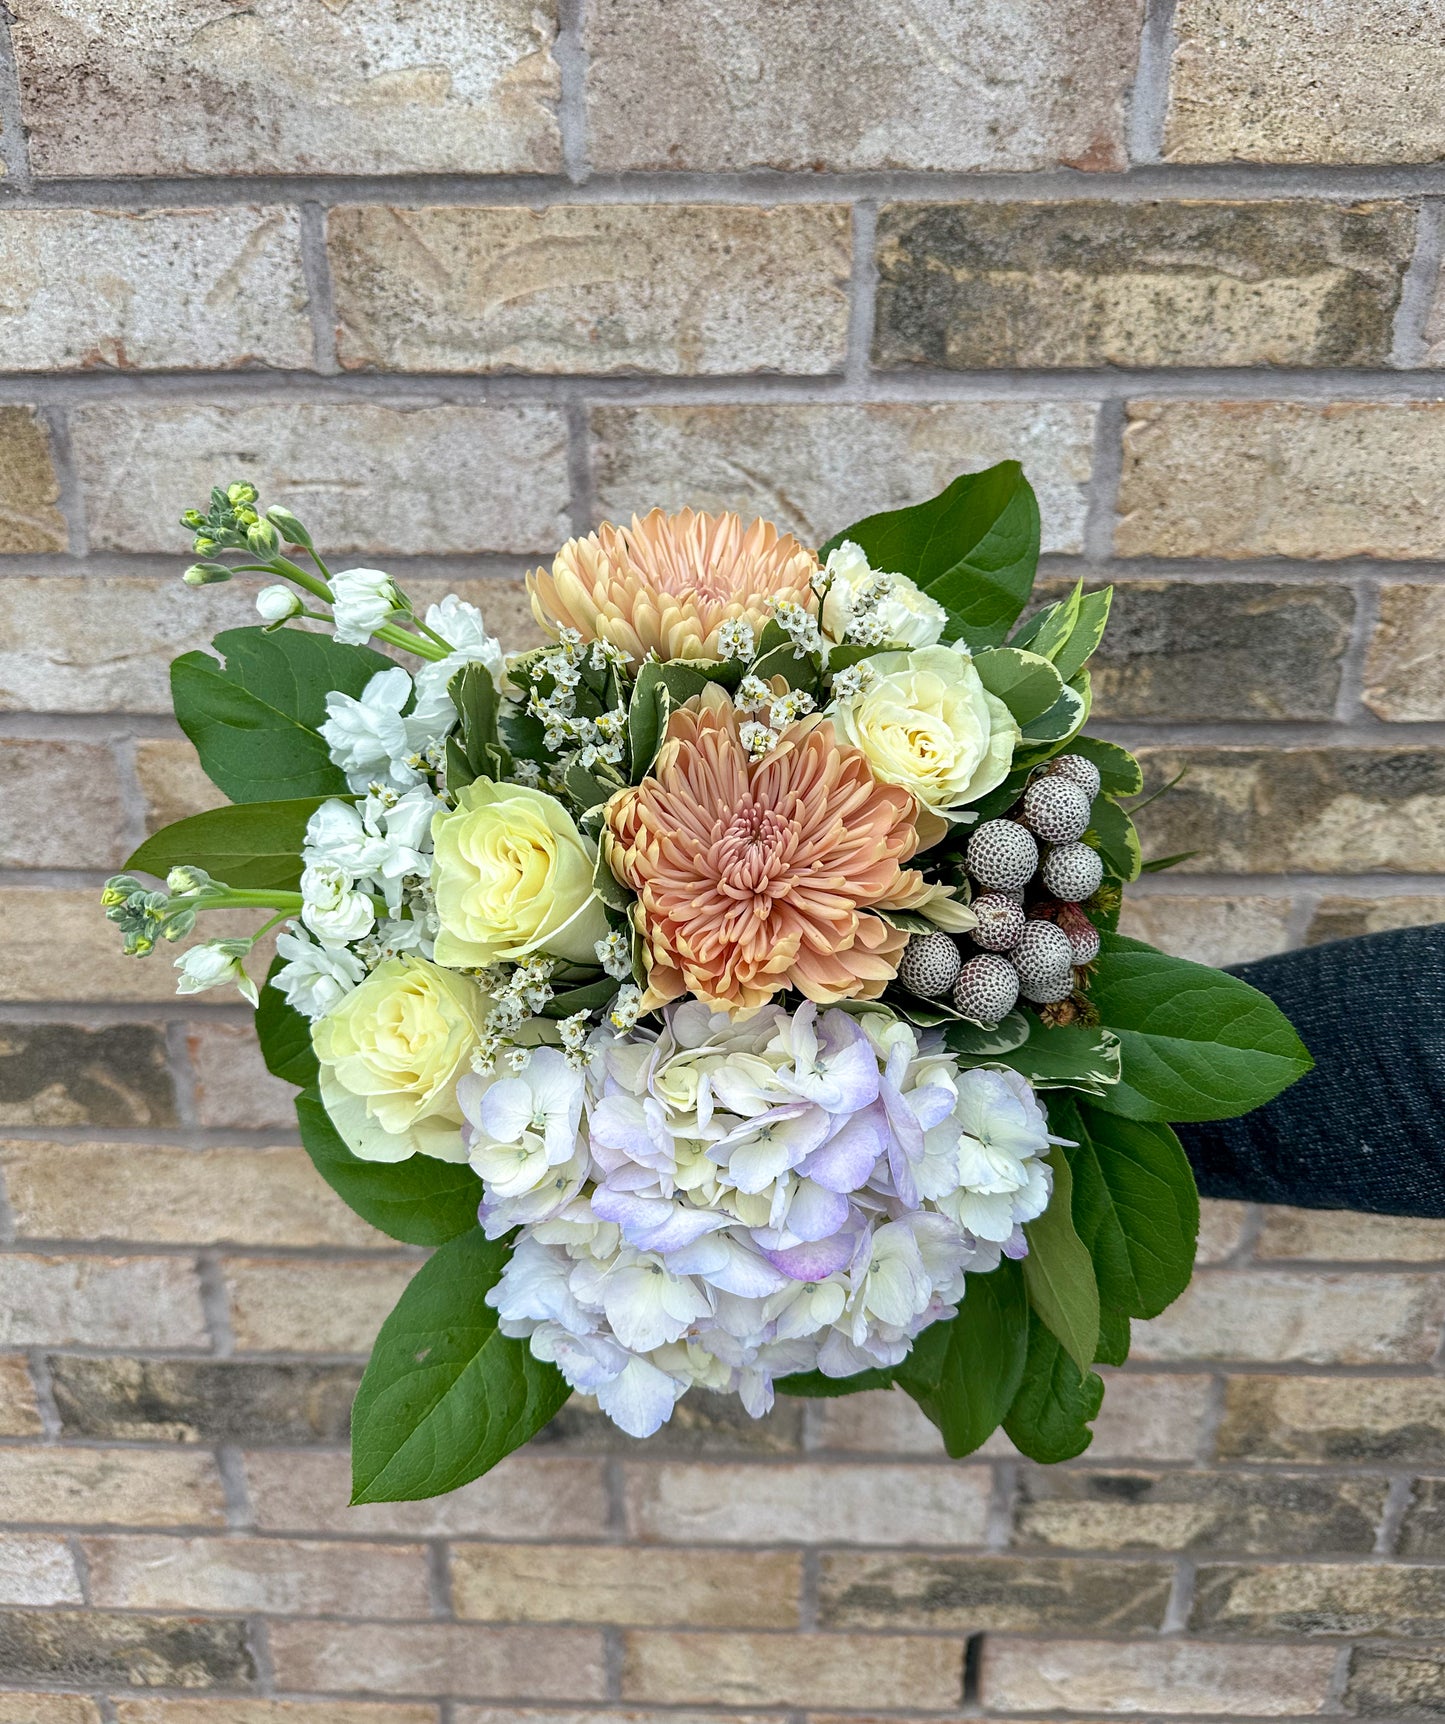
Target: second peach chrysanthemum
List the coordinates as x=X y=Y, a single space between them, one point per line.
x=756 y=876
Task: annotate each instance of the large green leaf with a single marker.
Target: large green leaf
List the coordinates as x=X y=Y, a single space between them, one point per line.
x=974 y=547
x=1050 y=1416
x=1059 y=1273
x=254 y=719
x=446 y=1395
x=284 y=1035
x=1066 y=1056
x=1196 y=1044
x=964 y=1374
x=1115 y=839
x=1027 y=684
x=1118 y=769
x=255 y=846
x=814 y=1386
x=1135 y=1205
x=421 y=1200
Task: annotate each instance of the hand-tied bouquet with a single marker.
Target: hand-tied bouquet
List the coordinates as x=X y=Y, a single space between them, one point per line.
x=728 y=989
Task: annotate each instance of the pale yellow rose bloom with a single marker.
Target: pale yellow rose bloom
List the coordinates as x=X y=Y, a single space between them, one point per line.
x=513 y=876
x=928 y=723
x=391 y=1052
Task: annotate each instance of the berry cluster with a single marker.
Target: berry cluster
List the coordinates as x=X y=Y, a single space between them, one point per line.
x=1031 y=933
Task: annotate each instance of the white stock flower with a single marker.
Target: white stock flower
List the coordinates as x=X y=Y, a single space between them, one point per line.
x=334 y=911
x=213 y=964
x=434 y=717
x=314 y=978
x=907 y=617
x=381 y=843
x=367 y=737
x=276 y=604
x=361 y=601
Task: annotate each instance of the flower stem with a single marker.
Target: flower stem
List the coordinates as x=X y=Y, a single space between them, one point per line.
x=399 y=637
x=238 y=898
x=302 y=577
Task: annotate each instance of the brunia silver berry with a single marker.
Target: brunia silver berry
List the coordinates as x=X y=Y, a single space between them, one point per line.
x=1000 y=921
x=1056 y=809
x=1078 y=771
x=929 y=965
x=1044 y=960
x=1002 y=855
x=987 y=988
x=1072 y=872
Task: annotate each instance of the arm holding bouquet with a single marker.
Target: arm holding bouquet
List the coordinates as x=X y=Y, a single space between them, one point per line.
x=728 y=989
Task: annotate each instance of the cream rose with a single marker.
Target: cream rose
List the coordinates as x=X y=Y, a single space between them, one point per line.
x=928 y=723
x=513 y=876
x=906 y=614
x=391 y=1053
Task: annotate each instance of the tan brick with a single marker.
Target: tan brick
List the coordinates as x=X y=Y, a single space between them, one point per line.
x=172 y=785
x=594 y=1715
x=1385 y=1684
x=366 y=88
x=1216 y=650
x=1273 y=1514
x=673 y=288
x=267 y=1712
x=19 y=1412
x=265 y=1197
x=99 y=1648
x=440 y=1658
x=1221 y=1230
x=1402 y=680
x=232 y=1086
x=1209 y=930
x=812 y=1503
x=37 y=1570
x=63 y=805
x=815 y=468
x=1305 y=810
x=526 y=1496
x=1298 y=81
x=363 y=477
x=1422 y=1530
x=1326 y=1235
x=1317 y=1318
x=60 y=649
x=1282 y=479
x=138 y=290
x=1107 y=1676
x=1370 y=1419
x=1320 y=1598
x=100 y=1302
x=110 y=1487
x=792 y=1669
x=58 y=1074
x=59 y=946
x=1338 y=918
x=274 y=1576
x=283 y=1305
x=628 y=1586
x=29 y=489
x=922 y=88
x=970 y=1593
x=978 y=285
x=48 y=1709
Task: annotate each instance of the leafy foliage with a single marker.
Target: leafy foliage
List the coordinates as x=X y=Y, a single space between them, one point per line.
x=285 y=1036
x=254 y=718
x=1059 y=1272
x=446 y=1394
x=475 y=749
x=253 y=846
x=1196 y=1044
x=1050 y=1416
x=964 y=1374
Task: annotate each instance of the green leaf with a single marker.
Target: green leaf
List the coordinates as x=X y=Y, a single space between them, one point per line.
x=446 y=1395
x=1068 y=714
x=587 y=791
x=1048 y=631
x=1088 y=631
x=1113 y=1348
x=474 y=750
x=982 y=1046
x=254 y=719
x=1119 y=772
x=590 y=997
x=965 y=1373
x=521 y=731
x=607 y=886
x=1050 y=1415
x=284 y=1035
x=647 y=717
x=1114 y=837
x=1135 y=1206
x=1197 y=1044
x=1028 y=685
x=813 y=1385
x=1066 y=1056
x=1160 y=864
x=974 y=547
x=421 y=1200
x=1059 y=1273
x=254 y=846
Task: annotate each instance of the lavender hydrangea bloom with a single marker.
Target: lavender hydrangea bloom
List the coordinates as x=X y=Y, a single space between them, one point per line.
x=747 y=1199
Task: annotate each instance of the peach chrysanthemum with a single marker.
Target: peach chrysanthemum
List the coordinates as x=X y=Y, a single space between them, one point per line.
x=757 y=876
x=667 y=583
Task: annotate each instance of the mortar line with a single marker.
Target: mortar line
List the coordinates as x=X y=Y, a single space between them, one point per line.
x=1149 y=98
x=258 y=1638
x=1349 y=702
x=320 y=296
x=1417 y=290
x=183 y=1072
x=581 y=501
x=1397 y=1503
x=215 y=1305
x=71 y=498
x=1181 y=1598
x=82 y=1568
x=14 y=141
x=570 y=53
x=236 y=1496
x=52 y=1426
x=1105 y=473
x=862 y=293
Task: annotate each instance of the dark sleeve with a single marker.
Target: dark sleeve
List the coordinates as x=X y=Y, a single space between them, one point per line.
x=1365 y=1129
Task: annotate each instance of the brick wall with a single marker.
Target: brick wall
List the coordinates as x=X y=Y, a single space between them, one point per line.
x=452 y=279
